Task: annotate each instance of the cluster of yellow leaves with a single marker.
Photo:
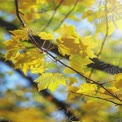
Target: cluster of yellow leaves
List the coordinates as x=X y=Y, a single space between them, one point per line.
x=24 y=56
x=84 y=89
x=80 y=49
x=25 y=114
x=29 y=3
x=30 y=7
x=115 y=87
x=94 y=110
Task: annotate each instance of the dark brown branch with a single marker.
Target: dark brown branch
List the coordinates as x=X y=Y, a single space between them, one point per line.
x=18 y=14
x=104 y=67
x=97 y=64
x=7 y=25
x=60 y=104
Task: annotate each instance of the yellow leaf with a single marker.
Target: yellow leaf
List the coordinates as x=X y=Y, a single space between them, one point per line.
x=32 y=59
x=79 y=63
x=41 y=1
x=19 y=35
x=50 y=81
x=72 y=80
x=11 y=54
x=46 y=36
x=68 y=71
x=70 y=43
x=13 y=44
x=118 y=80
x=113 y=90
x=87 y=88
x=67 y=30
x=73 y=89
x=71 y=92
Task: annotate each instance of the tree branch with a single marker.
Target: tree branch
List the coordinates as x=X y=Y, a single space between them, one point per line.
x=50 y=20
x=67 y=14
x=7 y=25
x=60 y=104
x=98 y=98
x=97 y=64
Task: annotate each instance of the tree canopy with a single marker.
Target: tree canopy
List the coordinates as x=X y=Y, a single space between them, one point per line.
x=68 y=54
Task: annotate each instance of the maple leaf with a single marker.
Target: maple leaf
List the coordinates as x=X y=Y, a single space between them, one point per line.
x=87 y=88
x=50 y=81
x=28 y=60
x=67 y=30
x=13 y=44
x=78 y=62
x=11 y=54
x=46 y=36
x=70 y=43
x=118 y=80
x=19 y=35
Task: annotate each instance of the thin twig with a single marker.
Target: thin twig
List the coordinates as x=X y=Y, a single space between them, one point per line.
x=106 y=34
x=67 y=14
x=18 y=12
x=97 y=98
x=50 y=20
x=95 y=82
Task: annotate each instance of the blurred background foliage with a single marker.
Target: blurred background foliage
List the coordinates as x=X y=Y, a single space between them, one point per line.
x=19 y=98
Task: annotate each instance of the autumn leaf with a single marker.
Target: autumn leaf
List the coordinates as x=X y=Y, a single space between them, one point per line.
x=46 y=36
x=118 y=80
x=28 y=60
x=79 y=63
x=70 y=43
x=11 y=54
x=13 y=44
x=87 y=88
x=19 y=34
x=50 y=81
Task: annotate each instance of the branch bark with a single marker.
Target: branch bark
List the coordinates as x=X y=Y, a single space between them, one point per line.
x=97 y=64
x=60 y=104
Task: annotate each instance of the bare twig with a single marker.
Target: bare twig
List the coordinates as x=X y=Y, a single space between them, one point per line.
x=48 y=23
x=97 y=98
x=106 y=34
x=67 y=14
x=18 y=14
